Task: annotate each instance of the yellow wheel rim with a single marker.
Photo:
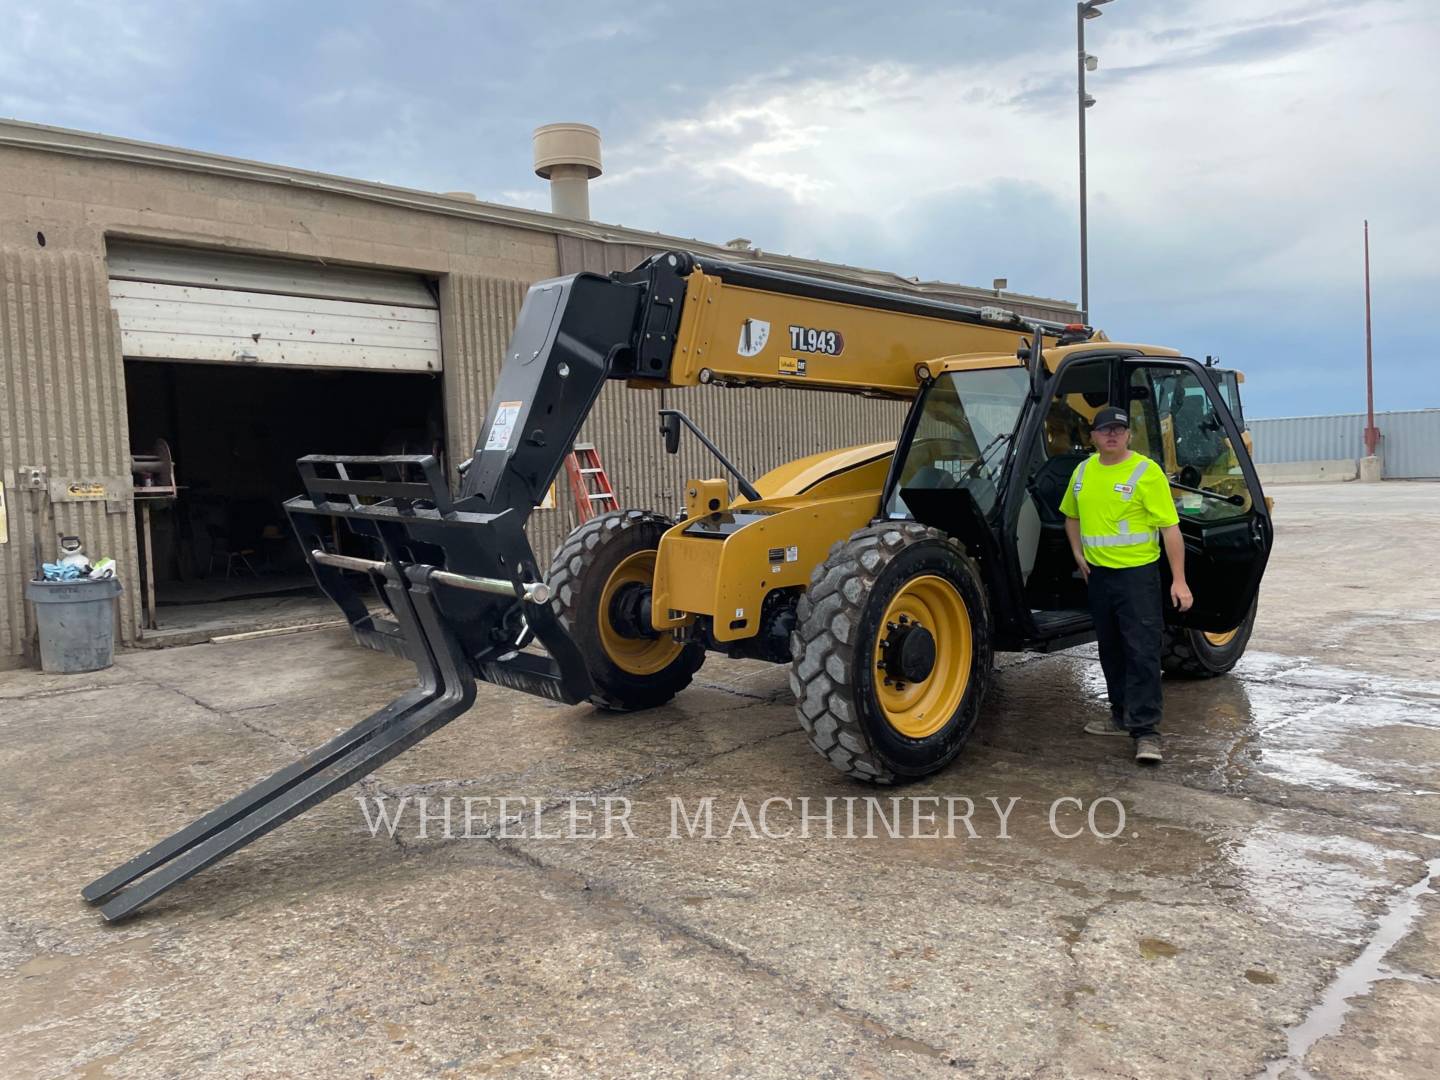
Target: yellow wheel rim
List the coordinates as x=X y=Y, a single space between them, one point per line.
x=923 y=708
x=1221 y=640
x=638 y=656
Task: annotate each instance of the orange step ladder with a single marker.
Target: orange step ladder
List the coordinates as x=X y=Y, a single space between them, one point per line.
x=589 y=482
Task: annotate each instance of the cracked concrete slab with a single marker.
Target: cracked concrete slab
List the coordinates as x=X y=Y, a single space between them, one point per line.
x=1391 y=1034
x=1294 y=817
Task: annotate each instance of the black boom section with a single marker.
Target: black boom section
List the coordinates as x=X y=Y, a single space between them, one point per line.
x=786 y=283
x=572 y=333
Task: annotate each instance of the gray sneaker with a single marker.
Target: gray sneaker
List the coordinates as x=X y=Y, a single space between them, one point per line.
x=1105 y=726
x=1147 y=749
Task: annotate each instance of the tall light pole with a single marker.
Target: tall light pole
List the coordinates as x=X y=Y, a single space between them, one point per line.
x=1372 y=433
x=1085 y=9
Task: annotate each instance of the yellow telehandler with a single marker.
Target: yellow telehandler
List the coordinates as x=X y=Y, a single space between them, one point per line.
x=886 y=575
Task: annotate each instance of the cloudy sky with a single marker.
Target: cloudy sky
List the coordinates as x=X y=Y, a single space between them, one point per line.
x=1235 y=149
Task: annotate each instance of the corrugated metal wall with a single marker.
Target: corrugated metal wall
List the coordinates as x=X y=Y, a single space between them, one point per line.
x=1308 y=438
x=62 y=405
x=577 y=254
x=477 y=315
x=1410 y=441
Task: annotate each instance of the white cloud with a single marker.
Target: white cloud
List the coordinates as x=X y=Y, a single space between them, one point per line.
x=1251 y=145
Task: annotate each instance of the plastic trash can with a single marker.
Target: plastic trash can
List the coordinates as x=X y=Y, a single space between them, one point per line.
x=77 y=623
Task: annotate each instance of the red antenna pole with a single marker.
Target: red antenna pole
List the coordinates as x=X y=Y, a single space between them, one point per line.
x=1372 y=435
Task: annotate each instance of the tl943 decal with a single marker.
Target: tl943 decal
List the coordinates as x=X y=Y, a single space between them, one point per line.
x=808 y=339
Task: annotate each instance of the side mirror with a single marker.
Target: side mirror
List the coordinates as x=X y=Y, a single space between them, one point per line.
x=670 y=428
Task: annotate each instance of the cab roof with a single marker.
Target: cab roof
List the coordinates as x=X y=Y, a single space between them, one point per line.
x=1053 y=356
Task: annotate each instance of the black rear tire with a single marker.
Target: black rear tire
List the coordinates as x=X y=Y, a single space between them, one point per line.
x=583 y=566
x=841 y=695
x=1189 y=654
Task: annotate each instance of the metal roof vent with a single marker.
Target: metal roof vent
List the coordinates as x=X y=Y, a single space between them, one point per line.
x=568 y=155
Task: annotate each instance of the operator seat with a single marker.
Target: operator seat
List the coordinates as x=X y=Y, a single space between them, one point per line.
x=1047 y=486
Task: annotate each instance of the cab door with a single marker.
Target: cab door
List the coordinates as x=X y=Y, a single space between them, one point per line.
x=1179 y=420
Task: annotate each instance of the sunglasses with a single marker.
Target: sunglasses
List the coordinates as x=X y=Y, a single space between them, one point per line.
x=1111 y=429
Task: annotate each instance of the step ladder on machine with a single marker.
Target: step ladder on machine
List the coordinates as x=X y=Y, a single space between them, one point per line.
x=589 y=483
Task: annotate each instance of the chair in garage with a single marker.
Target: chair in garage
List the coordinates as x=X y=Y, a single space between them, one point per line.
x=234 y=555
x=237 y=538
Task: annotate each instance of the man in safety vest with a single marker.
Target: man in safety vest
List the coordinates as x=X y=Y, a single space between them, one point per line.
x=1117 y=509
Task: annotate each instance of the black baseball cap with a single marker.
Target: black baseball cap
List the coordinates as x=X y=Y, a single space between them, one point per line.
x=1110 y=416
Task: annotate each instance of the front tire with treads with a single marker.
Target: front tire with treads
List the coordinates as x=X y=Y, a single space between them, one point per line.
x=606 y=554
x=891 y=655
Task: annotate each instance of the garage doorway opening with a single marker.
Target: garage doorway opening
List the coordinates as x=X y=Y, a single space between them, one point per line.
x=225 y=558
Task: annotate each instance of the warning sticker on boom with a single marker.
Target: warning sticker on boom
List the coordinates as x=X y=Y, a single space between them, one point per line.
x=506 y=415
x=754 y=333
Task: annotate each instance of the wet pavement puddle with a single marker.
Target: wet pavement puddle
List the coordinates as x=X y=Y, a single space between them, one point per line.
x=1355 y=980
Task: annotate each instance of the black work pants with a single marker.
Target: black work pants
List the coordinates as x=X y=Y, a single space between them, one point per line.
x=1126 y=607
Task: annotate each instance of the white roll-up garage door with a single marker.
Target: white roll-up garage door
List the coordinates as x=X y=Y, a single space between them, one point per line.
x=215 y=307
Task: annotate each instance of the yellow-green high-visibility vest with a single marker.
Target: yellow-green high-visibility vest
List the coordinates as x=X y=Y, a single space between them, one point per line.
x=1117 y=529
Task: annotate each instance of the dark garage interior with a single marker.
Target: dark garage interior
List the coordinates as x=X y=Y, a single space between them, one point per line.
x=223 y=548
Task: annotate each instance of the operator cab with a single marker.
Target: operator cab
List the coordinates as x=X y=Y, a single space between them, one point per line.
x=987 y=455
x=1182 y=419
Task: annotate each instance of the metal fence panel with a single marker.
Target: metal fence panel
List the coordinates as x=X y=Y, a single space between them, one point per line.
x=1410 y=440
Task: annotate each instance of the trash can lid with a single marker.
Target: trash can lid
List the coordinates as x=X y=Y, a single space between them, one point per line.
x=77 y=590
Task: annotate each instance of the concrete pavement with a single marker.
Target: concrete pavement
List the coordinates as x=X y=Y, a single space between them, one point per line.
x=1277 y=865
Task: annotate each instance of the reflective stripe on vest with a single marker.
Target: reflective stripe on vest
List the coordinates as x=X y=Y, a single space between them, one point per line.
x=1124 y=538
x=1133 y=483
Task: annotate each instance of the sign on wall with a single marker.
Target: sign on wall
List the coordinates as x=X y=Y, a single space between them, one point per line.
x=88 y=488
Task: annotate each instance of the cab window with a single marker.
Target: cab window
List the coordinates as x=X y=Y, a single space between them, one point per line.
x=1174 y=422
x=963 y=432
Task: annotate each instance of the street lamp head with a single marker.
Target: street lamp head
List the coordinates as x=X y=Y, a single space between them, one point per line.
x=1089 y=100
x=1090 y=9
x=1091 y=62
